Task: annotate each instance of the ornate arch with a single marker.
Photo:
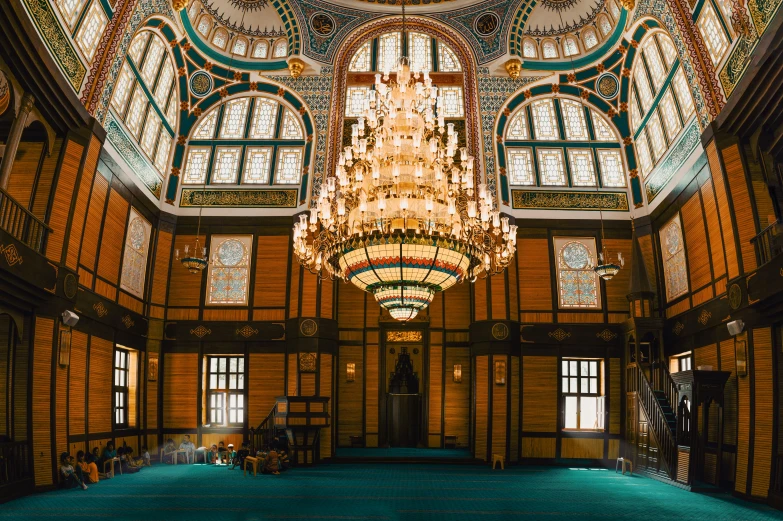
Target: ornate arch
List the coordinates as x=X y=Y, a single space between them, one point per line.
x=414 y=23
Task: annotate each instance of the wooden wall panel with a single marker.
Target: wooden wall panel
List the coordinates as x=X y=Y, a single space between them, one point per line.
x=92 y=228
x=61 y=206
x=539 y=394
x=266 y=381
x=43 y=452
x=743 y=211
x=646 y=245
x=371 y=387
x=110 y=256
x=513 y=290
x=349 y=395
x=535 y=287
x=293 y=306
x=499 y=304
x=180 y=389
x=82 y=198
x=45 y=180
x=6 y=370
x=325 y=377
x=457 y=409
x=435 y=310
x=618 y=289
x=482 y=406
x=696 y=243
x=724 y=212
x=713 y=229
x=225 y=314
x=271 y=257
x=99 y=397
x=539 y=448
x=76 y=383
x=457 y=306
x=21 y=396
x=436 y=387
x=763 y=413
x=160 y=270
x=727 y=356
x=151 y=392
x=615 y=400
x=293 y=370
x=514 y=405
x=307 y=381
x=184 y=287
x=23 y=171
x=128 y=301
x=706 y=355
x=480 y=300
x=327 y=299
x=350 y=305
x=582 y=448
x=743 y=431
x=499 y=410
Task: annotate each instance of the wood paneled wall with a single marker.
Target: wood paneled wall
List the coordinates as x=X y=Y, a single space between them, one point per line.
x=350 y=397
x=44 y=457
x=180 y=390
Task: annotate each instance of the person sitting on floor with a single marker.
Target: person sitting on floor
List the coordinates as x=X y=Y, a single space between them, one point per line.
x=169 y=451
x=70 y=478
x=221 y=453
x=89 y=470
x=271 y=463
x=109 y=453
x=188 y=447
x=213 y=454
x=129 y=465
x=145 y=456
x=241 y=454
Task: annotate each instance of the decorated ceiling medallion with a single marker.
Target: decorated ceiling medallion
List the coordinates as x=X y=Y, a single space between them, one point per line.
x=200 y=84
x=559 y=5
x=322 y=24
x=607 y=86
x=487 y=24
x=249 y=5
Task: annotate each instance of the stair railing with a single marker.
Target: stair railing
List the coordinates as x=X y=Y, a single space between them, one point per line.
x=21 y=223
x=659 y=427
x=263 y=435
x=662 y=381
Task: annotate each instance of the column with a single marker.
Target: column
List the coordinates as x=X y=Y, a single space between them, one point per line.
x=14 y=136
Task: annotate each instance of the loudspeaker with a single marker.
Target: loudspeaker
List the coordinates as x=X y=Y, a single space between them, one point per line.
x=735 y=327
x=70 y=318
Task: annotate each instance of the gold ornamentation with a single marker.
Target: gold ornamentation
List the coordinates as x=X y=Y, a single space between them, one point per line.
x=100 y=309
x=246 y=331
x=200 y=331
x=735 y=296
x=704 y=317
x=500 y=331
x=307 y=362
x=628 y=4
x=295 y=67
x=128 y=321
x=678 y=327
x=606 y=201
x=243 y=198
x=404 y=336
x=559 y=335
x=308 y=327
x=11 y=254
x=606 y=335
x=513 y=68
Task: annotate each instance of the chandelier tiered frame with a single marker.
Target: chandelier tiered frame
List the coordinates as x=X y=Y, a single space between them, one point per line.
x=402 y=217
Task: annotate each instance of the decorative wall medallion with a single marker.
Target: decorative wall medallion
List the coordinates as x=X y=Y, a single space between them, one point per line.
x=415 y=350
x=322 y=24
x=392 y=351
x=70 y=285
x=704 y=317
x=500 y=331
x=246 y=331
x=735 y=296
x=307 y=362
x=487 y=24
x=200 y=331
x=606 y=335
x=678 y=327
x=308 y=327
x=403 y=336
x=607 y=86
x=201 y=84
x=11 y=254
x=100 y=309
x=128 y=321
x=559 y=335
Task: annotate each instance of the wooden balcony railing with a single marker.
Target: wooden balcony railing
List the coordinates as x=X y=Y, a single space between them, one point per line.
x=21 y=223
x=662 y=381
x=262 y=436
x=768 y=243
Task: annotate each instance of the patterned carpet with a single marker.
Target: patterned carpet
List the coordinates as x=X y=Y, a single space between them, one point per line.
x=393 y=492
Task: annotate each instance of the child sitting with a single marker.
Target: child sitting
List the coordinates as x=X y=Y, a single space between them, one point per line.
x=169 y=451
x=70 y=479
x=213 y=454
x=145 y=456
x=222 y=453
x=89 y=470
x=271 y=463
x=239 y=459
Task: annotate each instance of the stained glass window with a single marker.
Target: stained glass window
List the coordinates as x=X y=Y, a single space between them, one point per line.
x=149 y=68
x=642 y=86
x=240 y=47
x=70 y=9
x=291 y=127
x=136 y=112
x=520 y=166
x=604 y=26
x=674 y=271
x=171 y=110
x=576 y=280
x=643 y=151
x=667 y=47
x=447 y=60
x=226 y=166
x=389 y=51
x=603 y=132
x=636 y=115
x=257 y=163
x=452 y=105
x=725 y=10
x=671 y=119
x=517 y=127
x=582 y=167
x=196 y=165
x=281 y=49
x=233 y=126
x=551 y=167
x=151 y=131
x=164 y=83
x=229 y=269
x=162 y=153
x=529 y=49
x=361 y=61
x=134 y=260
x=590 y=39
x=657 y=139
x=91 y=29
x=420 y=51
x=204 y=25
x=354 y=101
x=714 y=37
x=289 y=166
x=261 y=50
x=264 y=119
x=574 y=120
x=122 y=89
x=683 y=92
x=612 y=170
x=615 y=10
x=137 y=46
x=655 y=63
x=550 y=50
x=544 y=121
x=220 y=39
x=206 y=128
x=570 y=47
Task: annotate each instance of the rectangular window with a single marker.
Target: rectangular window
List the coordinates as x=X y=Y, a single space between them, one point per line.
x=642 y=86
x=576 y=281
x=551 y=167
x=226 y=390
x=544 y=121
x=711 y=30
x=685 y=363
x=389 y=51
x=164 y=83
x=122 y=90
x=582 y=391
x=196 y=166
x=683 y=92
x=673 y=252
x=151 y=65
x=229 y=270
x=355 y=100
x=450 y=103
x=612 y=169
x=289 y=166
x=257 y=163
x=582 y=167
x=136 y=111
x=150 y=135
x=574 y=120
x=645 y=161
x=121 y=386
x=264 y=119
x=226 y=168
x=655 y=63
x=671 y=118
x=162 y=154
x=657 y=139
x=520 y=166
x=420 y=51
x=70 y=9
x=91 y=29
x=134 y=260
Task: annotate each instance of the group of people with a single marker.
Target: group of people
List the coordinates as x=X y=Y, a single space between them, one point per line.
x=86 y=468
x=274 y=460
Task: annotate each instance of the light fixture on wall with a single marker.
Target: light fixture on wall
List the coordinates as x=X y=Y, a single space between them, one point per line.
x=457 y=373
x=500 y=372
x=350 y=372
x=402 y=217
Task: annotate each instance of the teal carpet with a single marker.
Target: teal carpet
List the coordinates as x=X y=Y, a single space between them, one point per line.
x=379 y=492
x=402 y=452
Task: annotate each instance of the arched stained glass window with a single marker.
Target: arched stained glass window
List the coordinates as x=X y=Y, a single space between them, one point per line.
x=134 y=260
x=550 y=50
x=259 y=141
x=570 y=47
x=529 y=49
x=361 y=61
x=517 y=126
x=90 y=30
x=204 y=25
x=145 y=97
x=712 y=32
x=261 y=49
x=240 y=47
x=420 y=51
x=229 y=269
x=281 y=49
x=447 y=59
x=590 y=39
x=577 y=282
x=604 y=25
x=673 y=252
x=220 y=38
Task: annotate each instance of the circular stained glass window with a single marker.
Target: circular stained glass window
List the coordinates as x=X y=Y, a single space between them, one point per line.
x=672 y=238
x=136 y=234
x=576 y=256
x=231 y=252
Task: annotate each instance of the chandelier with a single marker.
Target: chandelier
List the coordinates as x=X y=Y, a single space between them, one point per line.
x=401 y=217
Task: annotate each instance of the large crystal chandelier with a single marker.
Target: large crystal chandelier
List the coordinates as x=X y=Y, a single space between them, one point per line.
x=401 y=217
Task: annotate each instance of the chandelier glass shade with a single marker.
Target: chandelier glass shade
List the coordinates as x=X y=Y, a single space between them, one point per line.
x=402 y=217
x=607 y=270
x=193 y=263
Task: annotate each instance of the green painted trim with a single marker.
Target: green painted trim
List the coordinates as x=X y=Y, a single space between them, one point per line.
x=236 y=63
x=657 y=99
x=150 y=98
x=673 y=160
x=107 y=9
x=586 y=60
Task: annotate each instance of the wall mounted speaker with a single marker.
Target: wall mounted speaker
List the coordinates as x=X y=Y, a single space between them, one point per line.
x=735 y=327
x=70 y=318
